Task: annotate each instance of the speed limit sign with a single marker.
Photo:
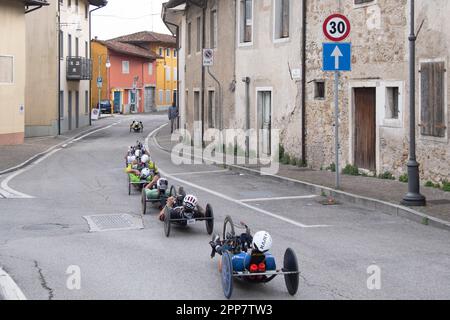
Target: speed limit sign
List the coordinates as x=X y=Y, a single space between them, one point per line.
x=336 y=27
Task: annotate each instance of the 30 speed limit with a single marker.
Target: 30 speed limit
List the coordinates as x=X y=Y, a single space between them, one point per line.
x=336 y=27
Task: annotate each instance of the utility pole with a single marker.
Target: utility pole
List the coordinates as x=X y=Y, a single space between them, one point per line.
x=413 y=197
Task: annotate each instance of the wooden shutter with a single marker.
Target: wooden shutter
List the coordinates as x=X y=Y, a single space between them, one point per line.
x=432 y=99
x=439 y=94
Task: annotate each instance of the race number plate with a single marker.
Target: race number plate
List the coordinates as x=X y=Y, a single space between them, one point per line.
x=191 y=222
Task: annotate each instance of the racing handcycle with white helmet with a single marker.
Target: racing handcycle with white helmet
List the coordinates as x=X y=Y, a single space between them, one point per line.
x=247 y=258
x=137 y=126
x=185 y=211
x=157 y=195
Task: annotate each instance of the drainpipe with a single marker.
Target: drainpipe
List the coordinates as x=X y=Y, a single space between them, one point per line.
x=247 y=113
x=303 y=139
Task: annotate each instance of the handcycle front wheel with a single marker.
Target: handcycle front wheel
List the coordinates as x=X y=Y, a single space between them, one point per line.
x=209 y=214
x=227 y=275
x=167 y=222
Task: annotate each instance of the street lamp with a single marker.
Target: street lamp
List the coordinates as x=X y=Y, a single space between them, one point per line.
x=413 y=197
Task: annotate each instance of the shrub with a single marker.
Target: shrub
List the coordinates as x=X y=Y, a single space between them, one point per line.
x=429 y=184
x=386 y=176
x=351 y=170
x=446 y=186
x=404 y=178
x=332 y=167
x=281 y=151
x=293 y=161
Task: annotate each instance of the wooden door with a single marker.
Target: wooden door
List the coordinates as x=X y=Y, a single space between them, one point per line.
x=365 y=128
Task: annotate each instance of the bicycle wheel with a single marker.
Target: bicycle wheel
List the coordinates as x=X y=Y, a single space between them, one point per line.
x=228 y=228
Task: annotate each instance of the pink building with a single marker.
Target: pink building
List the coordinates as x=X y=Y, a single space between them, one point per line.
x=131 y=77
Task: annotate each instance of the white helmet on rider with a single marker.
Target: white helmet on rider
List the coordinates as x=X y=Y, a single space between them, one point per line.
x=145 y=158
x=145 y=173
x=162 y=184
x=190 y=202
x=262 y=241
x=131 y=159
x=138 y=153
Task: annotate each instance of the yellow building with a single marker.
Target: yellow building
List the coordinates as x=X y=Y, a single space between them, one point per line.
x=13 y=68
x=163 y=45
x=167 y=75
x=99 y=54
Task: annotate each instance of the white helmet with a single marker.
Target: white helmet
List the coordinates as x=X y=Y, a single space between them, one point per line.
x=145 y=158
x=162 y=184
x=137 y=153
x=145 y=173
x=131 y=159
x=190 y=202
x=262 y=241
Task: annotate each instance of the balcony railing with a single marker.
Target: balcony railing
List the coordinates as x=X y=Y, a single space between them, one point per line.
x=79 y=68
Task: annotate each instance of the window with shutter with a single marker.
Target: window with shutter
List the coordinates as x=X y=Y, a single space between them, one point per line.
x=432 y=99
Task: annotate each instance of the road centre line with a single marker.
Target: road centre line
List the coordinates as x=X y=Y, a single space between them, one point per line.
x=220 y=195
x=199 y=172
x=280 y=198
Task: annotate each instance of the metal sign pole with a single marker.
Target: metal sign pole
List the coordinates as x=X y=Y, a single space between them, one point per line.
x=336 y=126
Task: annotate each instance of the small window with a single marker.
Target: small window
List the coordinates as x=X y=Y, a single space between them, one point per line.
x=161 y=52
x=168 y=52
x=167 y=73
x=150 y=69
x=76 y=6
x=246 y=21
x=86 y=102
x=77 y=47
x=86 y=11
x=282 y=9
x=61 y=45
x=69 y=3
x=161 y=96
x=199 y=34
x=189 y=38
x=175 y=74
x=86 y=49
x=197 y=106
x=392 y=110
x=175 y=53
x=168 y=96
x=69 y=50
x=432 y=91
x=6 y=69
x=359 y=2
x=61 y=104
x=125 y=67
x=213 y=29
x=319 y=89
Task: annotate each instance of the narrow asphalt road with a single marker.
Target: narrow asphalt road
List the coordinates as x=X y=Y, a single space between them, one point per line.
x=43 y=237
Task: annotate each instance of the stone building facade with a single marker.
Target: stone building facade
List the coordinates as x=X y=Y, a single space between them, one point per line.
x=261 y=67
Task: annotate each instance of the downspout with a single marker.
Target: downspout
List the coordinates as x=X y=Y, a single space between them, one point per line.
x=90 y=58
x=303 y=139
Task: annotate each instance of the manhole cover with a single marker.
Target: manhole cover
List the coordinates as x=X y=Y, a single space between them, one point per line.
x=113 y=222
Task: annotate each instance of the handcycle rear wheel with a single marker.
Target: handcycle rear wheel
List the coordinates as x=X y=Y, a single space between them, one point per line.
x=290 y=264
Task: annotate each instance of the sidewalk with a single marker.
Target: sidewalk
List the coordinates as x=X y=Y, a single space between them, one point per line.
x=11 y=156
x=384 y=195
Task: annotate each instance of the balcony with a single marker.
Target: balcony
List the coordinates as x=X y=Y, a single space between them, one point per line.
x=78 y=68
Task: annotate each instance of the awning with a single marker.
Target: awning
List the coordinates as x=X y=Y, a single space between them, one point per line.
x=172 y=4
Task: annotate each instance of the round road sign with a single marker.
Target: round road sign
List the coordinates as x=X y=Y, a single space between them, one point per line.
x=336 y=27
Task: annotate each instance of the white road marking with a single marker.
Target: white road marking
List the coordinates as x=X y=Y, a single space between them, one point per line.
x=10 y=193
x=280 y=198
x=199 y=172
x=220 y=195
x=9 y=290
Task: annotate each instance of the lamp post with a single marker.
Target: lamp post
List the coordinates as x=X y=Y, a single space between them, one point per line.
x=413 y=198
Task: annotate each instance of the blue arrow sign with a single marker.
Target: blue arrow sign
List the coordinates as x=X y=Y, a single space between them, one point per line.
x=337 y=57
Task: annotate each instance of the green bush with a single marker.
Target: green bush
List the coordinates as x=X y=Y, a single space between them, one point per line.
x=302 y=164
x=351 y=170
x=293 y=161
x=429 y=184
x=446 y=186
x=386 y=176
x=404 y=178
x=281 y=151
x=332 y=167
